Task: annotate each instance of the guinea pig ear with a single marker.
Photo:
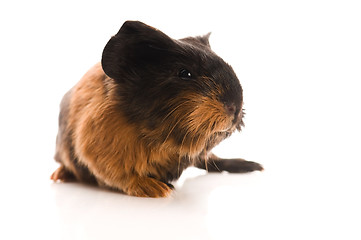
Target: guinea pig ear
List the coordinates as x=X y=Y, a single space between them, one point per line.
x=136 y=44
x=200 y=41
x=204 y=40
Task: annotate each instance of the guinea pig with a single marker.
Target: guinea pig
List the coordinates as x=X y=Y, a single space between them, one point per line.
x=153 y=107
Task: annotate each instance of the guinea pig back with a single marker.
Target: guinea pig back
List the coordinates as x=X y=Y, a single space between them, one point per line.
x=151 y=108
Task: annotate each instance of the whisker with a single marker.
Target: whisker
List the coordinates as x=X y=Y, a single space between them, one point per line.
x=174 y=109
x=174 y=125
x=178 y=121
x=181 y=148
x=215 y=165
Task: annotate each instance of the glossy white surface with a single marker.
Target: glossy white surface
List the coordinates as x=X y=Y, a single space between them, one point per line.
x=299 y=64
x=319 y=203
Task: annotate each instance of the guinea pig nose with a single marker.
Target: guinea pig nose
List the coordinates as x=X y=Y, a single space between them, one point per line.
x=230 y=108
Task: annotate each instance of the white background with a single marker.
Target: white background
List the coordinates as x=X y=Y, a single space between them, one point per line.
x=299 y=63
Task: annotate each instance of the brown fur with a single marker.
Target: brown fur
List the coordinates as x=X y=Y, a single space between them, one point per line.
x=99 y=143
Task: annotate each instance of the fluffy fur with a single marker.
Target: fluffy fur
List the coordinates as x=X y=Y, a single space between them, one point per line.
x=151 y=108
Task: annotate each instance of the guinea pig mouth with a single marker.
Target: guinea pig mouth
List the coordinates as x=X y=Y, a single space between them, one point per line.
x=227 y=125
x=233 y=125
x=229 y=128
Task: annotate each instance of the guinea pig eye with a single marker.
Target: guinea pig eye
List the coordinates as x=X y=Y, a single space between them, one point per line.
x=185 y=74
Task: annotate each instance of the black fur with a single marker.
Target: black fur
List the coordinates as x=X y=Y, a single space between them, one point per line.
x=156 y=61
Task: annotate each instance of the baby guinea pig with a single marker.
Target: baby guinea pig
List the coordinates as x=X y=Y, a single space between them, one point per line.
x=153 y=107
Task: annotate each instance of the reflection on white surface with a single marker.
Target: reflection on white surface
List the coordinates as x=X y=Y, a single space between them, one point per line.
x=272 y=204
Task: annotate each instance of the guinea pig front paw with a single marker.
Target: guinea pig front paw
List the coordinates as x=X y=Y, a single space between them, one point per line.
x=235 y=165
x=148 y=187
x=240 y=166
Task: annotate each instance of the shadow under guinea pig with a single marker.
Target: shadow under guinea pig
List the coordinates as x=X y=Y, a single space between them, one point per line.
x=201 y=184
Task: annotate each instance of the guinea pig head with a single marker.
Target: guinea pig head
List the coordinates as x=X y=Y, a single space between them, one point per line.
x=177 y=92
